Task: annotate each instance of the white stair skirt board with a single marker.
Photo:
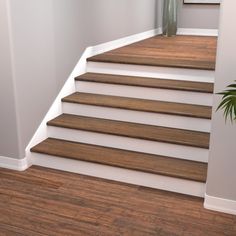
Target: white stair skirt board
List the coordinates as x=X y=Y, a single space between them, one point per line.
x=80 y=68
x=139 y=145
x=119 y=174
x=168 y=95
x=149 y=118
x=14 y=164
x=152 y=71
x=220 y=204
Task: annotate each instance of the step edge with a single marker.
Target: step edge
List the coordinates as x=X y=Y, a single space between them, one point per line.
x=81 y=79
x=182 y=186
x=93 y=59
x=50 y=123
x=123 y=167
x=74 y=101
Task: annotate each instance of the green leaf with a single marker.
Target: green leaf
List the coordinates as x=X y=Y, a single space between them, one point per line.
x=228 y=103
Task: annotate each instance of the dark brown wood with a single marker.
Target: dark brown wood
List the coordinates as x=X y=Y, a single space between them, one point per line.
x=133 y=130
x=148 y=82
x=62 y=203
x=154 y=164
x=193 y=52
x=136 y=104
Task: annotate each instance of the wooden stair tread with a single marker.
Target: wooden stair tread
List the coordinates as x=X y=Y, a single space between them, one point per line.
x=152 y=61
x=125 y=159
x=197 y=111
x=190 y=52
x=133 y=130
x=147 y=82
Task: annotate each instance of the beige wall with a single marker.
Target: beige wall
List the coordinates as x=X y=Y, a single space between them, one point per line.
x=222 y=165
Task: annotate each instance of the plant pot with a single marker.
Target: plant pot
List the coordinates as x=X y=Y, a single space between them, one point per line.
x=169 y=24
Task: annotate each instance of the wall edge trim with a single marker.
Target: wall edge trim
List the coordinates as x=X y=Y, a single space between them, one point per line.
x=220 y=204
x=197 y=32
x=14 y=164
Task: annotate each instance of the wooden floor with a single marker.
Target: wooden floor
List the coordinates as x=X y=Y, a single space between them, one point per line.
x=40 y=202
x=195 y=52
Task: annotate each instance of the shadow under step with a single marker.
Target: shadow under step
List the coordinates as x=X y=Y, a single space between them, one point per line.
x=154 y=164
x=137 y=104
x=133 y=130
x=147 y=82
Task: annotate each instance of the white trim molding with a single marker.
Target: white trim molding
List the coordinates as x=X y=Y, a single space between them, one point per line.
x=14 y=164
x=197 y=32
x=220 y=204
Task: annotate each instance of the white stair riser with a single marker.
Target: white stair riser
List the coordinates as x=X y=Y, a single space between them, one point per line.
x=149 y=118
x=152 y=71
x=145 y=93
x=119 y=174
x=139 y=145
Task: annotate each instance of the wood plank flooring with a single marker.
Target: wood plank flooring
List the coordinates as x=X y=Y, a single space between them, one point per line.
x=41 y=202
x=193 y=52
x=133 y=130
x=144 y=162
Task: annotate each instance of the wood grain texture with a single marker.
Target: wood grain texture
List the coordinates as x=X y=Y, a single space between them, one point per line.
x=192 y=52
x=172 y=108
x=147 y=82
x=154 y=164
x=61 y=203
x=133 y=130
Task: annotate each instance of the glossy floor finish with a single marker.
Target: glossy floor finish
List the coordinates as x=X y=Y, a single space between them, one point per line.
x=195 y=52
x=41 y=201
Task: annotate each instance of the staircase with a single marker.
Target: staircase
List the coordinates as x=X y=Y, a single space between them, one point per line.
x=141 y=130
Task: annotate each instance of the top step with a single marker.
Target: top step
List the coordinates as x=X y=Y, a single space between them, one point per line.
x=147 y=82
x=190 y=52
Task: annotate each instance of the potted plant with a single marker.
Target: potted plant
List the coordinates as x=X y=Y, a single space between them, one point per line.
x=228 y=103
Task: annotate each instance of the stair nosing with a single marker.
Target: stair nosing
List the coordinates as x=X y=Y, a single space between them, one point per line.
x=202 y=180
x=84 y=78
x=52 y=123
x=96 y=60
x=67 y=100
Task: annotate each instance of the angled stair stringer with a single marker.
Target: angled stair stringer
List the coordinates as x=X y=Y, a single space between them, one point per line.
x=136 y=124
x=69 y=86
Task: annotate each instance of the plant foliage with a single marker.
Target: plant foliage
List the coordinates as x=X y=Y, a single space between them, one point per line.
x=228 y=103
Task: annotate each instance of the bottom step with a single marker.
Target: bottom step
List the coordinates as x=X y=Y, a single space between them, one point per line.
x=187 y=177
x=171 y=184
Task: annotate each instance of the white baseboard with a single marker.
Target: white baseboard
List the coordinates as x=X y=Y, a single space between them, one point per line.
x=104 y=47
x=220 y=204
x=197 y=32
x=14 y=164
x=123 y=175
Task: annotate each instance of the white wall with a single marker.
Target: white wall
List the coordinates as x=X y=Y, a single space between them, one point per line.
x=49 y=37
x=221 y=180
x=8 y=121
